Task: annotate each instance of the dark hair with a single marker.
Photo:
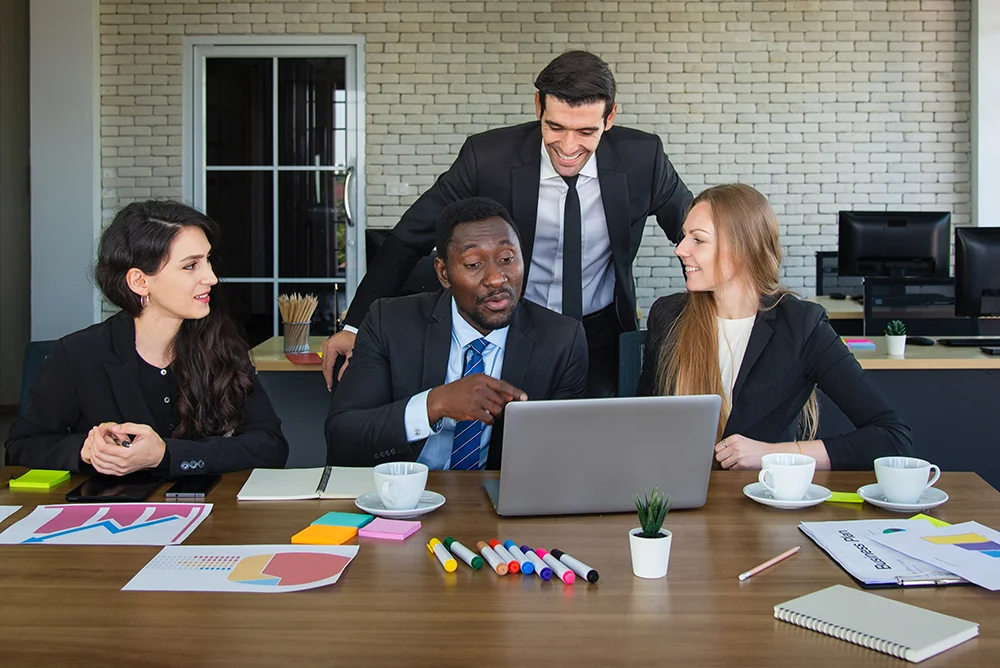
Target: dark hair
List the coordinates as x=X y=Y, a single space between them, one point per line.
x=577 y=78
x=468 y=210
x=211 y=360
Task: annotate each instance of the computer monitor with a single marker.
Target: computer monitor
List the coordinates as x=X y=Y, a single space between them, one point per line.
x=977 y=271
x=894 y=244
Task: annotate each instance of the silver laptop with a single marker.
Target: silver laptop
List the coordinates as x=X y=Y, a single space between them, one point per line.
x=593 y=455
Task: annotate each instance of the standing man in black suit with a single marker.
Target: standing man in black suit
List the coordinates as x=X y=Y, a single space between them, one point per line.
x=431 y=373
x=580 y=192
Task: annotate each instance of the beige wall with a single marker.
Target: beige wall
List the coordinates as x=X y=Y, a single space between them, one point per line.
x=15 y=221
x=821 y=104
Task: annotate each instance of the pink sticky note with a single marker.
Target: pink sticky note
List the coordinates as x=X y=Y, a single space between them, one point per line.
x=389 y=529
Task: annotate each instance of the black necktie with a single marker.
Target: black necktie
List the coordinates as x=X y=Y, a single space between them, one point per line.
x=572 y=275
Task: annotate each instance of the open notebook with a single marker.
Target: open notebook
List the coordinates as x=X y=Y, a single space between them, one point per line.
x=878 y=623
x=326 y=482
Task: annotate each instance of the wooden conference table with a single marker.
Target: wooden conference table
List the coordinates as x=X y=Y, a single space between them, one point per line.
x=62 y=605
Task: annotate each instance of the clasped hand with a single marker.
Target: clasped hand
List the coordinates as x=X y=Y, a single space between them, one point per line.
x=103 y=450
x=475 y=397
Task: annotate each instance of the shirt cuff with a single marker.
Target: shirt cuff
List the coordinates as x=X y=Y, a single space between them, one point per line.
x=418 y=426
x=352 y=330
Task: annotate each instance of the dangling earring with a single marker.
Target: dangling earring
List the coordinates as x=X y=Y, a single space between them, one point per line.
x=144 y=301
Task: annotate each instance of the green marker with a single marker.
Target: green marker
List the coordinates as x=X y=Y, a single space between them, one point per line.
x=465 y=554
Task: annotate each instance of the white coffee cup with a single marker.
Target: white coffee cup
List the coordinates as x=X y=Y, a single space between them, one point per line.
x=400 y=484
x=787 y=476
x=904 y=479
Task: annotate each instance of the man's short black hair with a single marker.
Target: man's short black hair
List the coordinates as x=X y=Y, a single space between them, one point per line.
x=577 y=78
x=468 y=210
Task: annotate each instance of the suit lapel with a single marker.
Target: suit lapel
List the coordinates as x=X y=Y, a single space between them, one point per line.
x=517 y=354
x=124 y=375
x=437 y=343
x=759 y=337
x=614 y=197
x=524 y=183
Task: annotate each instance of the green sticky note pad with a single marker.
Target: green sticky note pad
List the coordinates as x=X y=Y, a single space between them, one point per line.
x=844 y=497
x=39 y=479
x=933 y=520
x=345 y=519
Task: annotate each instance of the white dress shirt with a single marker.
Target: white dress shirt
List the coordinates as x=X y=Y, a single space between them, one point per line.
x=437 y=450
x=545 y=277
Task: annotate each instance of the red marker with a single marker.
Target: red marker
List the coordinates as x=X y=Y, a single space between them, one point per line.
x=513 y=566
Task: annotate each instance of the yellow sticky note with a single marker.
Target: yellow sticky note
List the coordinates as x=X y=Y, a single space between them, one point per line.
x=42 y=479
x=324 y=534
x=844 y=497
x=933 y=520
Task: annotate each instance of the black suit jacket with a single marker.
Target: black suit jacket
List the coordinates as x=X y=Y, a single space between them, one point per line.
x=792 y=350
x=92 y=376
x=637 y=181
x=402 y=349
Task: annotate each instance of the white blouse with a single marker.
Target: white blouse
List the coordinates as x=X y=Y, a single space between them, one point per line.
x=734 y=335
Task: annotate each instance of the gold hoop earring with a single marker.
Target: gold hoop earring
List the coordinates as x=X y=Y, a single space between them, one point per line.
x=144 y=301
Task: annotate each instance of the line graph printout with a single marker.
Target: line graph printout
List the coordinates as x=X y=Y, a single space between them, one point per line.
x=108 y=524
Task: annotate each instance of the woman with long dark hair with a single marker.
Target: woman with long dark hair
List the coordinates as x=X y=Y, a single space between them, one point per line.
x=738 y=333
x=167 y=384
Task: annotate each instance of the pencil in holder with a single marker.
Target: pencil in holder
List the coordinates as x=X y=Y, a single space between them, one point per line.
x=296 y=312
x=297 y=337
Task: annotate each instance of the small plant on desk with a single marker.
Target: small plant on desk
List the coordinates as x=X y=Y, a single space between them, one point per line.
x=895 y=337
x=650 y=542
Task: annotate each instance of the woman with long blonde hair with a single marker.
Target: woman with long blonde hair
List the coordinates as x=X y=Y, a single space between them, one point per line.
x=738 y=333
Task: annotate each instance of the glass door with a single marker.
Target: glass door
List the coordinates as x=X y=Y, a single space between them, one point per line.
x=276 y=141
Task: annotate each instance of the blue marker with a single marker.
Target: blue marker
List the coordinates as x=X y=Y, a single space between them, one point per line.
x=543 y=571
x=527 y=568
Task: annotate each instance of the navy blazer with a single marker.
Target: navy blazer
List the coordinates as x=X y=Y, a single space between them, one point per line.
x=637 y=181
x=92 y=376
x=402 y=349
x=792 y=350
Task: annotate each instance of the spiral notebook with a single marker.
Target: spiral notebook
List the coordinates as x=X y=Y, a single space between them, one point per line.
x=878 y=623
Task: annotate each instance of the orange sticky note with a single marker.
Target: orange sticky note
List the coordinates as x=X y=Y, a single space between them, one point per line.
x=322 y=534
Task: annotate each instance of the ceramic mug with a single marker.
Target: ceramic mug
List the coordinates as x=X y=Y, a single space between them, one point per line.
x=904 y=479
x=400 y=484
x=787 y=476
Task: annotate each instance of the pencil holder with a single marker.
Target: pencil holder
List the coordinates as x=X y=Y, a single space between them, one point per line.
x=297 y=337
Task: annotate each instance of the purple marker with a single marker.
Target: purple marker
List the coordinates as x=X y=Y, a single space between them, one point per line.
x=543 y=571
x=561 y=570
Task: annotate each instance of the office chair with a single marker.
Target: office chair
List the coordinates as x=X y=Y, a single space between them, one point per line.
x=34 y=355
x=630 y=347
x=925 y=305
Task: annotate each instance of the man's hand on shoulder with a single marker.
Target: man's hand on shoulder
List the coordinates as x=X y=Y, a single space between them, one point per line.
x=475 y=397
x=341 y=343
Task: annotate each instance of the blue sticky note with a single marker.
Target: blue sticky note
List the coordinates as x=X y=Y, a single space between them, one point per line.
x=345 y=519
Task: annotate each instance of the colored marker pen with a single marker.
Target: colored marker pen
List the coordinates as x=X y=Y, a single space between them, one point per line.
x=438 y=550
x=492 y=558
x=512 y=565
x=563 y=573
x=543 y=571
x=465 y=554
x=580 y=568
x=527 y=568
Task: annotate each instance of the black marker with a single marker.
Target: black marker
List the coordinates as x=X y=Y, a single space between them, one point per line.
x=577 y=566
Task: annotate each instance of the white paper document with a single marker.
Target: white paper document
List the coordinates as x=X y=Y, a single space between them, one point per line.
x=261 y=569
x=969 y=549
x=854 y=546
x=7 y=511
x=108 y=524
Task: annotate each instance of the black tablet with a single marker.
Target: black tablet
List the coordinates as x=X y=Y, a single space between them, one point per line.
x=109 y=488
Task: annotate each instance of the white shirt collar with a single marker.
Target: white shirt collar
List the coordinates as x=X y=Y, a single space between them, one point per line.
x=549 y=172
x=466 y=333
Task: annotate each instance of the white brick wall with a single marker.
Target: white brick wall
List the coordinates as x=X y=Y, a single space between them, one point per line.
x=820 y=104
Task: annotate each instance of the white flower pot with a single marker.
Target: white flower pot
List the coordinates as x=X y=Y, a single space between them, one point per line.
x=650 y=556
x=896 y=345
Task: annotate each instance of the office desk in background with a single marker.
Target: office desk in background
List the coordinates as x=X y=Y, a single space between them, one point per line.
x=847 y=317
x=62 y=605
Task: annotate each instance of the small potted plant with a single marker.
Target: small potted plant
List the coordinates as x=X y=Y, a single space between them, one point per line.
x=650 y=542
x=895 y=337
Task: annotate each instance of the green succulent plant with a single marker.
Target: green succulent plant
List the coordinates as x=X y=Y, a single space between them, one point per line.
x=895 y=328
x=652 y=511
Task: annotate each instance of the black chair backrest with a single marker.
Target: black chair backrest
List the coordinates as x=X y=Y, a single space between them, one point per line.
x=630 y=347
x=925 y=305
x=34 y=354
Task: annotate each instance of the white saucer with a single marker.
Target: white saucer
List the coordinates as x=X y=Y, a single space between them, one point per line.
x=815 y=495
x=371 y=504
x=931 y=498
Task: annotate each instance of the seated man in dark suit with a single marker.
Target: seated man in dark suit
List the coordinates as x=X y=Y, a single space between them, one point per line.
x=431 y=373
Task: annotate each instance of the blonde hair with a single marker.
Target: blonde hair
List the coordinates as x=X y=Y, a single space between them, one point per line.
x=746 y=226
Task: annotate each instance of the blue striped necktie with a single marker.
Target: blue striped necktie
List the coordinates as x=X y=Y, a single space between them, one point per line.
x=469 y=433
